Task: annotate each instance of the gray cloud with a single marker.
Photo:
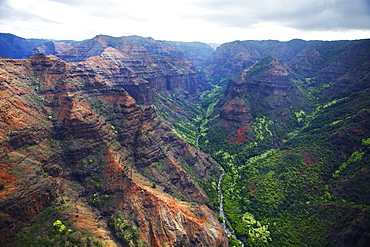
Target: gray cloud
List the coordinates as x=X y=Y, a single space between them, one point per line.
x=338 y=15
x=300 y=14
x=205 y=20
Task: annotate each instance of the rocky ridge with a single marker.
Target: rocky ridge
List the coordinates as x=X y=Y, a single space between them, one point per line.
x=265 y=87
x=155 y=66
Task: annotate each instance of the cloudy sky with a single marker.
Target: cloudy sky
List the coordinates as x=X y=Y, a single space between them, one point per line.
x=212 y=21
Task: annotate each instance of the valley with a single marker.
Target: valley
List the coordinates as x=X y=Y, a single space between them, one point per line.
x=131 y=141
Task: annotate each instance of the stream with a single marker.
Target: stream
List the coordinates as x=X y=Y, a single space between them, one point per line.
x=222 y=214
x=198 y=134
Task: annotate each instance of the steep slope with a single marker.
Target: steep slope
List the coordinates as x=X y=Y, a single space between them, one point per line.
x=317 y=72
x=84 y=163
x=260 y=106
x=288 y=121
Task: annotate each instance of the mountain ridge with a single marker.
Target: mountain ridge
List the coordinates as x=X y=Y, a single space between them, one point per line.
x=96 y=146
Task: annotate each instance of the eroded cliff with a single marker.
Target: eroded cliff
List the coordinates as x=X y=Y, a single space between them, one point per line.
x=142 y=66
x=77 y=153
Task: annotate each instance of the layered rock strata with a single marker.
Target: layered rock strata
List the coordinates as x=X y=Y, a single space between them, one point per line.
x=70 y=140
x=141 y=66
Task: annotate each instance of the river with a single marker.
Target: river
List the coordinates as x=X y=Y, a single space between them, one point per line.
x=222 y=214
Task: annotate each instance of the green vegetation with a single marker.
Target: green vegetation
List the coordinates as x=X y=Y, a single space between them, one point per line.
x=356 y=156
x=154 y=185
x=258 y=234
x=261 y=66
x=293 y=137
x=260 y=194
x=233 y=242
x=290 y=191
x=48 y=230
x=125 y=231
x=99 y=200
x=261 y=128
x=186 y=117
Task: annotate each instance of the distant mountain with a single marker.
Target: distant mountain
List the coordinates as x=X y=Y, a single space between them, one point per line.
x=149 y=65
x=231 y=58
x=12 y=46
x=196 y=52
x=213 y=45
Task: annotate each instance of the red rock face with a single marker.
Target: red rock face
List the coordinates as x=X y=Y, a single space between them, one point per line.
x=68 y=137
x=174 y=223
x=234 y=111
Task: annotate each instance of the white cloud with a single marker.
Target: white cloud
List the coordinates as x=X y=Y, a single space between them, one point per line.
x=187 y=20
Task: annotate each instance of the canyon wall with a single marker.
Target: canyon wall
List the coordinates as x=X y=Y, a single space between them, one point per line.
x=87 y=152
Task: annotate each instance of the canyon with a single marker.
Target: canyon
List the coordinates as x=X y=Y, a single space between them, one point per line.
x=70 y=141
x=128 y=141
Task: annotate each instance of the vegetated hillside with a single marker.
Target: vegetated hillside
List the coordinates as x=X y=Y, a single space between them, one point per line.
x=286 y=93
x=294 y=140
x=259 y=108
x=82 y=163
